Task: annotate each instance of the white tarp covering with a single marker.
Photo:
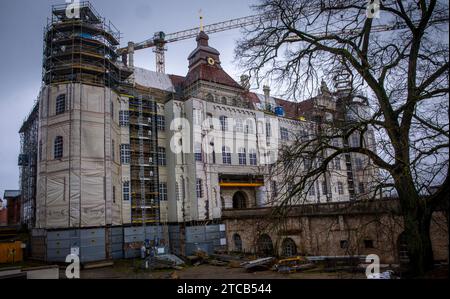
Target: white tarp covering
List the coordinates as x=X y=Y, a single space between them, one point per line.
x=74 y=191
x=153 y=79
x=57 y=205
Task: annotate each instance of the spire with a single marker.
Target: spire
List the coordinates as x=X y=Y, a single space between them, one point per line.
x=200 y=12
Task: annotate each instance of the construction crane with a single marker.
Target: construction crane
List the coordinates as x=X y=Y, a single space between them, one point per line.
x=160 y=39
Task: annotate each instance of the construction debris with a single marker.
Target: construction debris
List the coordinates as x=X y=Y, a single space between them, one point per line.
x=259 y=265
x=292 y=265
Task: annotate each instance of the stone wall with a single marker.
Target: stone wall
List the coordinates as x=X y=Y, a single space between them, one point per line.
x=331 y=229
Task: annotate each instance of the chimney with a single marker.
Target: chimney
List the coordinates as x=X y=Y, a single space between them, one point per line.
x=245 y=82
x=266 y=90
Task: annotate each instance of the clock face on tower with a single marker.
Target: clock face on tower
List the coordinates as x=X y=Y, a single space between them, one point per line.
x=211 y=61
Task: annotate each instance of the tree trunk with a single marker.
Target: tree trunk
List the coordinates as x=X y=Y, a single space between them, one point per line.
x=417 y=221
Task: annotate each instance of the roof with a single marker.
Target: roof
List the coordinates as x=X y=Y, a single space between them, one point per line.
x=11 y=194
x=211 y=74
x=152 y=79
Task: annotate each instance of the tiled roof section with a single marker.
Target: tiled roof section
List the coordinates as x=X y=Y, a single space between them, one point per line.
x=211 y=74
x=291 y=109
x=305 y=106
x=177 y=80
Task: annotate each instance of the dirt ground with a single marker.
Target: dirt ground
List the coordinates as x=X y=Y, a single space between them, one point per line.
x=130 y=270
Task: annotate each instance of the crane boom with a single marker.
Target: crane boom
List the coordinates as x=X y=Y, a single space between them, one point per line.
x=160 y=39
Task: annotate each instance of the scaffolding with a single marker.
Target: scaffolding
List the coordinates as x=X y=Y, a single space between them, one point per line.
x=28 y=159
x=81 y=50
x=144 y=160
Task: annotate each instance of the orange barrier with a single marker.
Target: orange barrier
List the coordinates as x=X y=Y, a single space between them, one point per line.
x=11 y=252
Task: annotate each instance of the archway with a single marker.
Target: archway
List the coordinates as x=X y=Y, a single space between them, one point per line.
x=239 y=200
x=288 y=247
x=265 y=245
x=237 y=243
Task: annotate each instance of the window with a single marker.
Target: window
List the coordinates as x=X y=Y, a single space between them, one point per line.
x=224 y=123
x=288 y=247
x=126 y=191
x=308 y=163
x=59 y=147
x=284 y=134
x=368 y=244
x=359 y=164
x=199 y=188
x=224 y=100
x=274 y=189
x=113 y=151
x=163 y=191
x=312 y=190
x=239 y=200
x=61 y=104
x=162 y=161
x=268 y=130
x=198 y=117
x=249 y=128
x=239 y=126
x=210 y=97
x=161 y=123
x=337 y=163
x=324 y=188
x=124 y=118
x=340 y=188
x=114 y=194
x=354 y=141
x=226 y=155
x=177 y=191
x=344 y=244
x=361 y=188
x=304 y=136
x=125 y=154
x=112 y=110
x=198 y=152
x=253 y=157
x=237 y=243
x=242 y=156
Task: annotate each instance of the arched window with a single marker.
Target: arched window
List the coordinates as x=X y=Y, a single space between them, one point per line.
x=237 y=242
x=223 y=123
x=224 y=100
x=249 y=127
x=239 y=200
x=288 y=247
x=265 y=245
x=61 y=104
x=59 y=147
x=210 y=97
x=226 y=155
x=239 y=126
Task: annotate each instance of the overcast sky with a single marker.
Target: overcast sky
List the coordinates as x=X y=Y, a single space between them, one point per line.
x=21 y=32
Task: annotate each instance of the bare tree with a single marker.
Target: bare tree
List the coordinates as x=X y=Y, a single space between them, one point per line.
x=402 y=75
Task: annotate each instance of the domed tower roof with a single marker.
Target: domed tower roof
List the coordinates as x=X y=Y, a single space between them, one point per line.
x=203 y=52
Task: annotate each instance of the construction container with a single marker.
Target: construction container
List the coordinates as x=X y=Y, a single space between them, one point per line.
x=11 y=252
